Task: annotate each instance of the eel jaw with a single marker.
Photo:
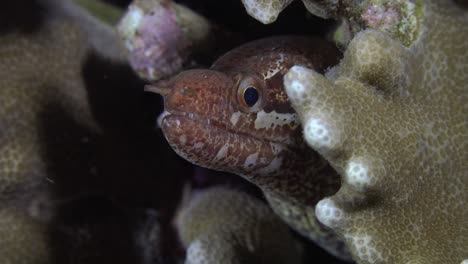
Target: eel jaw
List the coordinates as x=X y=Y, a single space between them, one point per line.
x=161 y=117
x=207 y=143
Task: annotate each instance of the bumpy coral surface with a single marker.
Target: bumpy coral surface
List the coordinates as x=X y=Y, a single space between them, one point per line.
x=399 y=18
x=219 y=225
x=40 y=72
x=16 y=243
x=265 y=11
x=392 y=121
x=159 y=35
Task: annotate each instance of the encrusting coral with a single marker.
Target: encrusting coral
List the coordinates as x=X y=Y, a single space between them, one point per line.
x=265 y=11
x=23 y=239
x=399 y=18
x=213 y=231
x=160 y=35
x=41 y=72
x=392 y=120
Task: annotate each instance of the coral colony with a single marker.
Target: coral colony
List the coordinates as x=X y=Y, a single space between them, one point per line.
x=355 y=141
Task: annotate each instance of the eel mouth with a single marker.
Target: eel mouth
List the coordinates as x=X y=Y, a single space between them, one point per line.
x=207 y=143
x=186 y=121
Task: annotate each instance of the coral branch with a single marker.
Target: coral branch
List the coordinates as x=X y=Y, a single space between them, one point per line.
x=220 y=225
x=391 y=120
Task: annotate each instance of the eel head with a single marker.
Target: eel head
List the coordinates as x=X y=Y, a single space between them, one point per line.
x=234 y=121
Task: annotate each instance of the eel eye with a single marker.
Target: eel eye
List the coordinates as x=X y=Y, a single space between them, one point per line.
x=250 y=94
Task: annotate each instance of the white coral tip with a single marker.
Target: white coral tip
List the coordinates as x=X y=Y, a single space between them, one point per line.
x=328 y=213
x=318 y=133
x=358 y=175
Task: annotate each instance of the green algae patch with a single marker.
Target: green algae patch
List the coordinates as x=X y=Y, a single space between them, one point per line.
x=105 y=12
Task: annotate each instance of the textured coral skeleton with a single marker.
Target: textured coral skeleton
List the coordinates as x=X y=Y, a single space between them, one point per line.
x=34 y=59
x=399 y=18
x=214 y=231
x=392 y=120
x=41 y=80
x=265 y=11
x=160 y=35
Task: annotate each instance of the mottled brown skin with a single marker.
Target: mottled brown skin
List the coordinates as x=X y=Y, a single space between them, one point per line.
x=208 y=124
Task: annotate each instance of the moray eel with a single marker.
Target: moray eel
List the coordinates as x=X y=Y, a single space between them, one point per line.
x=236 y=117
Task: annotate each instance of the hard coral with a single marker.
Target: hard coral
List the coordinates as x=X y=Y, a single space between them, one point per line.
x=392 y=121
x=265 y=11
x=17 y=233
x=160 y=35
x=40 y=73
x=399 y=18
x=219 y=225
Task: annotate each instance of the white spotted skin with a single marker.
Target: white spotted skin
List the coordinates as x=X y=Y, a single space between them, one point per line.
x=251 y=160
x=270 y=73
x=273 y=119
x=278 y=67
x=222 y=153
x=274 y=166
x=276 y=148
x=235 y=118
x=183 y=139
x=199 y=145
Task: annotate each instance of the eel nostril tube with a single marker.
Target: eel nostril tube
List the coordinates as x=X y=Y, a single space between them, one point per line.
x=156 y=89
